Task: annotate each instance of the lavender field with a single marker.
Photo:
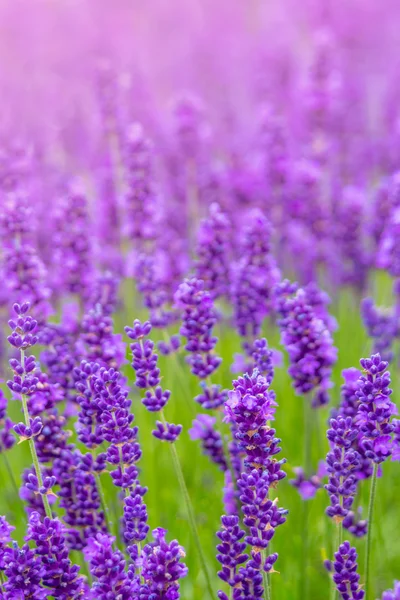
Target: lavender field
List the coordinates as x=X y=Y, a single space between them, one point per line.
x=200 y=300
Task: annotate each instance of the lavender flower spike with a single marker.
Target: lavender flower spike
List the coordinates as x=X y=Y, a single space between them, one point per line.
x=393 y=594
x=345 y=573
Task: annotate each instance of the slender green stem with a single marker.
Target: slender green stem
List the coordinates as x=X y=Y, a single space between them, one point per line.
x=32 y=448
x=338 y=529
x=267 y=589
x=306 y=506
x=369 y=533
x=103 y=502
x=190 y=512
x=10 y=475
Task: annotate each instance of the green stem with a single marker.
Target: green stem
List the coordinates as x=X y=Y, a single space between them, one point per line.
x=267 y=590
x=103 y=503
x=306 y=507
x=10 y=475
x=369 y=533
x=32 y=448
x=190 y=512
x=336 y=546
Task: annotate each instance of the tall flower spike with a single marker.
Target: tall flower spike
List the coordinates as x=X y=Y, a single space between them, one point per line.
x=144 y=363
x=60 y=576
x=213 y=252
x=342 y=465
x=345 y=573
x=308 y=342
x=141 y=198
x=375 y=411
x=231 y=551
x=108 y=569
x=255 y=276
x=162 y=567
x=23 y=385
x=24 y=571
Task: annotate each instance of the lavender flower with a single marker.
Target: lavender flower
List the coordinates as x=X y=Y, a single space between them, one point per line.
x=231 y=551
x=199 y=318
x=213 y=253
x=162 y=567
x=255 y=276
x=342 y=464
x=308 y=342
x=250 y=406
x=375 y=410
x=345 y=573
x=108 y=569
x=144 y=363
x=24 y=571
x=60 y=576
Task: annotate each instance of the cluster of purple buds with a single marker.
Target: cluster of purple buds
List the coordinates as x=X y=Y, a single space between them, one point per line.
x=140 y=200
x=22 y=338
x=24 y=570
x=198 y=319
x=24 y=273
x=211 y=440
x=342 y=465
x=308 y=341
x=251 y=405
x=162 y=567
x=108 y=569
x=355 y=524
x=375 y=410
x=79 y=496
x=231 y=552
x=261 y=515
x=134 y=522
x=105 y=417
x=255 y=277
x=26 y=432
x=144 y=363
x=213 y=253
x=345 y=575
x=60 y=576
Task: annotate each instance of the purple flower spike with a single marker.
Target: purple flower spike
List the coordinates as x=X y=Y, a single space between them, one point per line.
x=375 y=410
x=59 y=574
x=254 y=277
x=250 y=406
x=231 y=551
x=162 y=567
x=24 y=571
x=27 y=433
x=213 y=252
x=342 y=465
x=167 y=432
x=345 y=573
x=198 y=319
x=108 y=569
x=308 y=341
